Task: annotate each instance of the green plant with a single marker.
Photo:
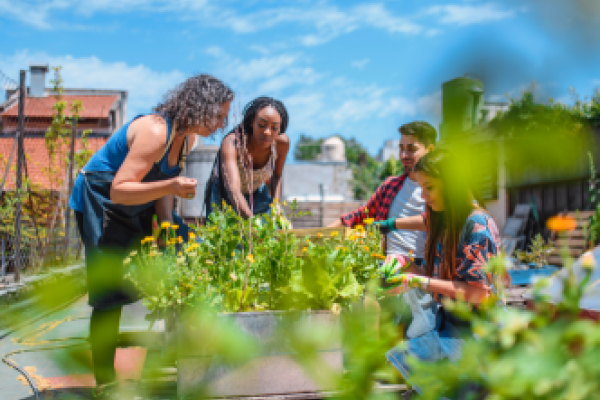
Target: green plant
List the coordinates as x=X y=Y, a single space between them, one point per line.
x=252 y=265
x=593 y=228
x=547 y=352
x=538 y=253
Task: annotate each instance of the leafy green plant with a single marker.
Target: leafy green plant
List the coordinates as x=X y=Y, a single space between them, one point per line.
x=593 y=228
x=538 y=253
x=546 y=352
x=252 y=265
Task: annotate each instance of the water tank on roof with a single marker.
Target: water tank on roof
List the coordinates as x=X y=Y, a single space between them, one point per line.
x=333 y=149
x=198 y=166
x=462 y=99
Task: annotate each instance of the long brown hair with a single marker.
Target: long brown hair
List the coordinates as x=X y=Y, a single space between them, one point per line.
x=445 y=226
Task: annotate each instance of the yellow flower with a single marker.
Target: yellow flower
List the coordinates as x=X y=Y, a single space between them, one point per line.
x=353 y=237
x=305 y=249
x=180 y=254
x=179 y=239
x=233 y=277
x=365 y=248
x=379 y=256
x=175 y=226
x=285 y=203
x=587 y=261
x=359 y=228
x=165 y=225
x=369 y=221
x=148 y=239
x=336 y=308
x=133 y=253
x=335 y=233
x=192 y=235
x=126 y=261
x=319 y=235
x=250 y=258
x=233 y=254
x=561 y=223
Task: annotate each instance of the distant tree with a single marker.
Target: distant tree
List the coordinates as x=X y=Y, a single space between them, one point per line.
x=307 y=148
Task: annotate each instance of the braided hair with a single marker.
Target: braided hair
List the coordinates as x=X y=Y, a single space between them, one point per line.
x=253 y=108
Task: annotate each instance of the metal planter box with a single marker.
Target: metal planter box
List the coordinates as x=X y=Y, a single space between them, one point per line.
x=272 y=371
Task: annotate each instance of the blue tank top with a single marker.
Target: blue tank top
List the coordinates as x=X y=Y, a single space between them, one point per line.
x=110 y=157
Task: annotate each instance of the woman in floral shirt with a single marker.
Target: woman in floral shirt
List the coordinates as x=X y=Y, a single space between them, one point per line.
x=462 y=237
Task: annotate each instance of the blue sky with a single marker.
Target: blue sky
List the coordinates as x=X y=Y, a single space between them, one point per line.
x=357 y=68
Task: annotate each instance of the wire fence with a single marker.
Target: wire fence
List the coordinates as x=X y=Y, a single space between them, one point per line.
x=35 y=233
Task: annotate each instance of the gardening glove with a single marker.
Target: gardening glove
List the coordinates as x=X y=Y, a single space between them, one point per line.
x=387 y=225
x=404 y=282
x=393 y=265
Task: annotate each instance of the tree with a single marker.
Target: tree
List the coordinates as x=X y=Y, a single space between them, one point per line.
x=307 y=148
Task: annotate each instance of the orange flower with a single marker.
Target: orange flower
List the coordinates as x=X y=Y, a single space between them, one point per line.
x=319 y=235
x=366 y=248
x=561 y=224
x=380 y=256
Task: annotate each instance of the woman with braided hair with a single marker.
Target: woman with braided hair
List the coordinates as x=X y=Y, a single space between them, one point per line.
x=249 y=166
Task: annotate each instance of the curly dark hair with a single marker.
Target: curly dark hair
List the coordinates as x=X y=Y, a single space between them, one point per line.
x=252 y=109
x=424 y=132
x=196 y=101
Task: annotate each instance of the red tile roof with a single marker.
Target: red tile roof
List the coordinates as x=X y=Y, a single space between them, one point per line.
x=93 y=106
x=38 y=161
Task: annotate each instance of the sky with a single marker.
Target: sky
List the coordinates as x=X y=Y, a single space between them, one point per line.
x=355 y=68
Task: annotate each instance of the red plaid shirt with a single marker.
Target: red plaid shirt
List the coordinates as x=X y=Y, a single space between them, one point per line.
x=378 y=205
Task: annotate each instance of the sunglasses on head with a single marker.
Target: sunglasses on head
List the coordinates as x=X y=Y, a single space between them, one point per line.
x=411 y=148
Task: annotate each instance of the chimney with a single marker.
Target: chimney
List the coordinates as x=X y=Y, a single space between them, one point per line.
x=38 y=79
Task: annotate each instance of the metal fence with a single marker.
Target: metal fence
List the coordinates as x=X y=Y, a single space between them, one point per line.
x=36 y=228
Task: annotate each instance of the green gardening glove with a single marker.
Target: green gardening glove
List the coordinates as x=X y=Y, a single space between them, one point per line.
x=387 y=225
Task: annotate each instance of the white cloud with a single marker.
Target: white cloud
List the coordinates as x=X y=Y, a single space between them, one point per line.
x=360 y=64
x=328 y=21
x=469 y=14
x=266 y=75
x=145 y=86
x=596 y=82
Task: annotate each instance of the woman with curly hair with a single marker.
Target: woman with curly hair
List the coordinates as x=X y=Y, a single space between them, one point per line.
x=132 y=177
x=251 y=155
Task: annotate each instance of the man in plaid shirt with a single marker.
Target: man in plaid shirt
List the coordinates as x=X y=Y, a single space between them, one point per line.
x=399 y=196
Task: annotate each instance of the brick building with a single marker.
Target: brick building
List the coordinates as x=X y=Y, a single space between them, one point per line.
x=103 y=112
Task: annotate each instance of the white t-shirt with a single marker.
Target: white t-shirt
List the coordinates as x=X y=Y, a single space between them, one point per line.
x=407 y=203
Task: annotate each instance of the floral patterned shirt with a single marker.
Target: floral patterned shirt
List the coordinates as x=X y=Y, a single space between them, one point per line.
x=479 y=241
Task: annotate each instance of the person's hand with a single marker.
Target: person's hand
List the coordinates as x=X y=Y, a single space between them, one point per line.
x=387 y=225
x=404 y=282
x=184 y=187
x=393 y=264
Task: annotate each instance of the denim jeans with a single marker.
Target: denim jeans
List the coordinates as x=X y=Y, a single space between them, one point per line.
x=430 y=335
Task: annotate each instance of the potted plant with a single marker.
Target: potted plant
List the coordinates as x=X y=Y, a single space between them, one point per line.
x=252 y=276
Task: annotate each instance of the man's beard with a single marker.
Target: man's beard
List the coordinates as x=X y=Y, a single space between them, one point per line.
x=407 y=170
